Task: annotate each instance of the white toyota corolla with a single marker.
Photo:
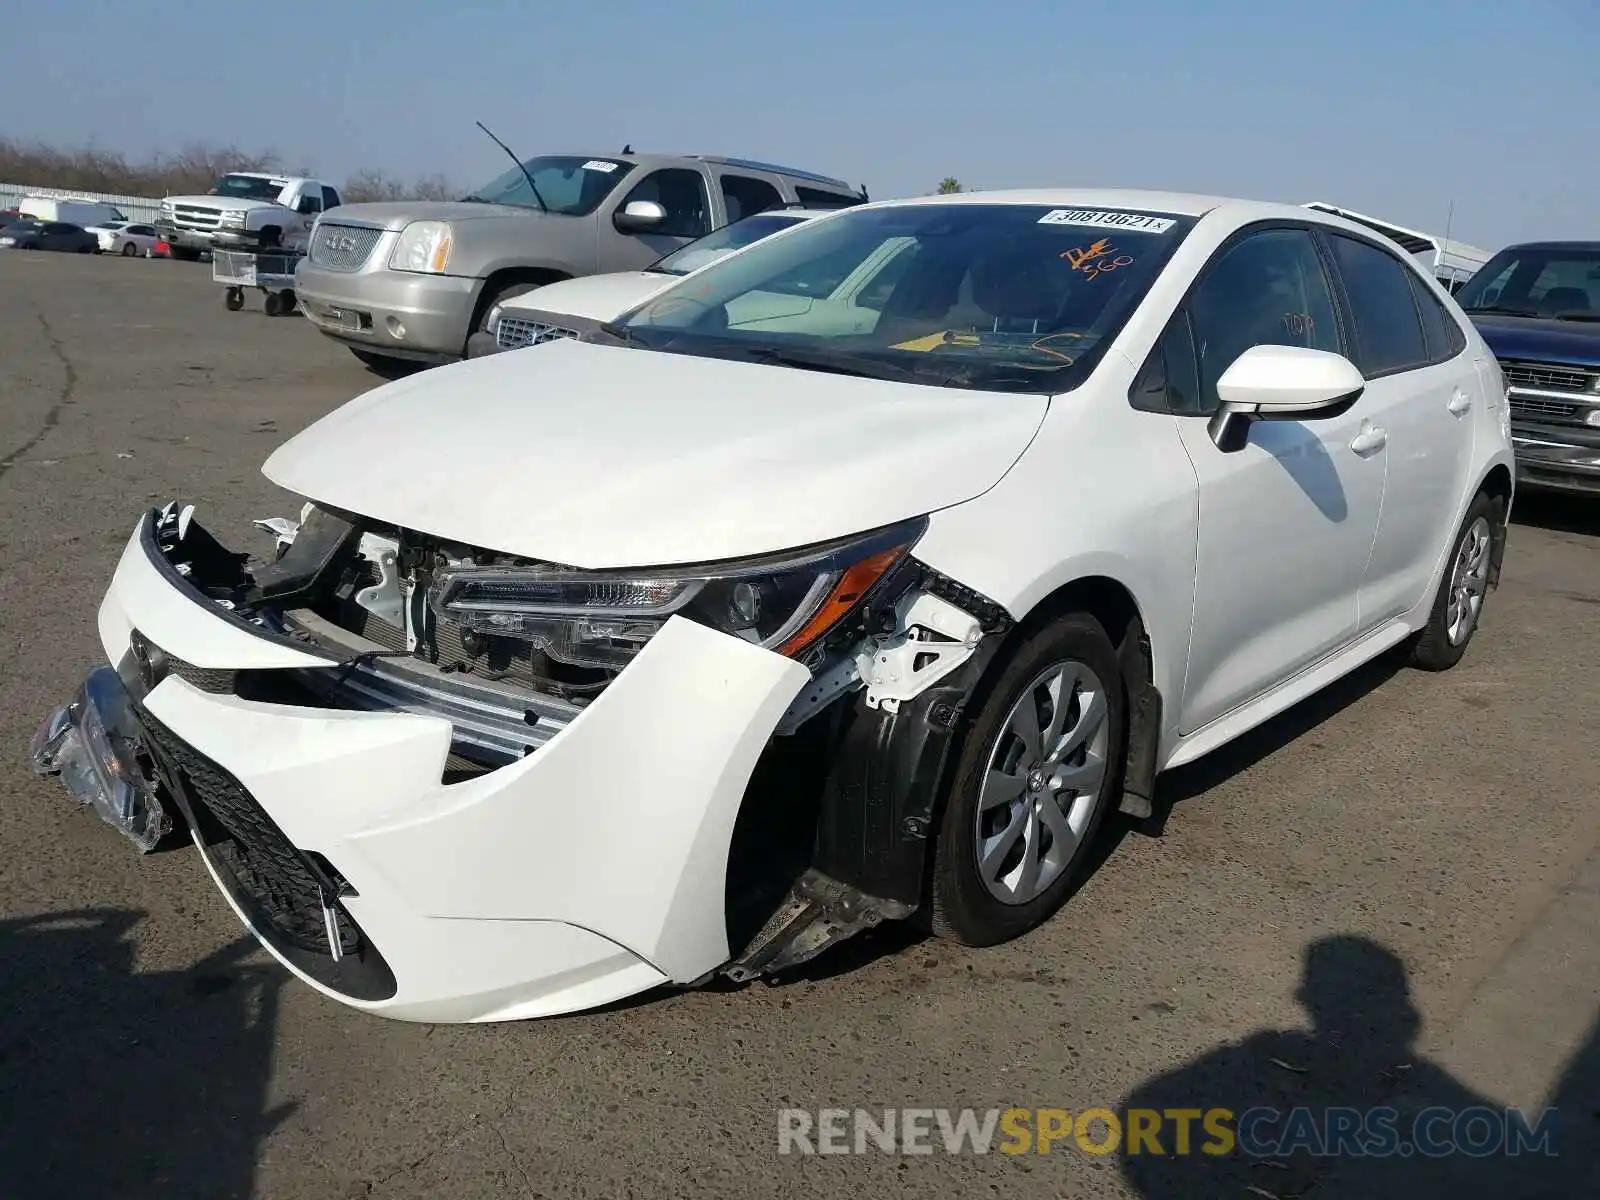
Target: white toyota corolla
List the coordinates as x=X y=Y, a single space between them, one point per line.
x=767 y=613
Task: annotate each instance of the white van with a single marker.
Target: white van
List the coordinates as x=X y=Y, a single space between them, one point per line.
x=74 y=212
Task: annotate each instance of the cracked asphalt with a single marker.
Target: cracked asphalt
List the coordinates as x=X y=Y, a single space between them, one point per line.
x=1390 y=892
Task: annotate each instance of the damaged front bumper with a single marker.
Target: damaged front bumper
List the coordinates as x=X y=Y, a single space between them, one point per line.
x=591 y=869
x=439 y=847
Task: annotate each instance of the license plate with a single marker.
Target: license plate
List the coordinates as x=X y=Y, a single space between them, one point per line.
x=342 y=317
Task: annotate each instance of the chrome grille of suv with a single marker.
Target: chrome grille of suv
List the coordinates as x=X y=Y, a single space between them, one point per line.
x=343 y=247
x=198 y=217
x=512 y=332
x=1548 y=376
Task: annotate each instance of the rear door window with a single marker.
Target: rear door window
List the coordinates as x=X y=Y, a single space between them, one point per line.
x=1440 y=331
x=1388 y=332
x=744 y=196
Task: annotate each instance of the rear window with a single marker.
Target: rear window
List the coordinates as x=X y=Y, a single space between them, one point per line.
x=1388 y=330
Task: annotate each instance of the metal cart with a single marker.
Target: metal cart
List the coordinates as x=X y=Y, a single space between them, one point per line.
x=270 y=271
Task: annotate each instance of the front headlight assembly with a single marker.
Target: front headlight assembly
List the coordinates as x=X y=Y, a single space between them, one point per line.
x=782 y=602
x=423 y=246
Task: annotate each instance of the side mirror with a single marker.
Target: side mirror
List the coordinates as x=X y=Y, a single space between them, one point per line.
x=1281 y=383
x=639 y=216
x=307 y=205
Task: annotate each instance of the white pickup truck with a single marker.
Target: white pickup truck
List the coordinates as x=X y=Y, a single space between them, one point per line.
x=246 y=210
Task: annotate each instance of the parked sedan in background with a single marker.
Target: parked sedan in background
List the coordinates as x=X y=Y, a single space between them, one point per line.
x=49 y=235
x=770 y=613
x=574 y=307
x=127 y=238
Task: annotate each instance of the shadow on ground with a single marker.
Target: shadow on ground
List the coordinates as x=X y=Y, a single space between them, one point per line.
x=1331 y=1109
x=126 y=1084
x=1557 y=511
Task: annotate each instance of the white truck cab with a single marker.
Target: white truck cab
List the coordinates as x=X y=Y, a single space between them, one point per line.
x=246 y=210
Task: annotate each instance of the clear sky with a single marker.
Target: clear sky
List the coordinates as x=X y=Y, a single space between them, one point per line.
x=1392 y=108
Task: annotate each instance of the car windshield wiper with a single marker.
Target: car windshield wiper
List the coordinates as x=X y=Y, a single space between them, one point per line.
x=1503 y=310
x=626 y=336
x=833 y=364
x=1579 y=314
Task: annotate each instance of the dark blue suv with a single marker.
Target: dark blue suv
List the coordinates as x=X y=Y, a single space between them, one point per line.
x=1538 y=307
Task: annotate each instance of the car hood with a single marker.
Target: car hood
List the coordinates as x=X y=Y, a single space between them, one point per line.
x=222 y=203
x=595 y=297
x=599 y=456
x=1576 y=343
x=397 y=214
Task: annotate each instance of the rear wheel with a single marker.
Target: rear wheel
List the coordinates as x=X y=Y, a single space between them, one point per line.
x=1037 y=770
x=1458 y=606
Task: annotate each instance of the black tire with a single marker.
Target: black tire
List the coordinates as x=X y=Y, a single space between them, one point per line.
x=962 y=908
x=129 y=250
x=273 y=304
x=1434 y=649
x=287 y=300
x=269 y=237
x=233 y=298
x=184 y=253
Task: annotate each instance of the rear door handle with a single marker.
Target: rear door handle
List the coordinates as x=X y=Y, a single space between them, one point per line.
x=1370 y=439
x=1459 y=403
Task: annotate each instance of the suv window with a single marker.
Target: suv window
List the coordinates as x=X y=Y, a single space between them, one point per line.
x=744 y=196
x=1268 y=289
x=683 y=194
x=330 y=198
x=816 y=198
x=1388 y=332
x=1444 y=337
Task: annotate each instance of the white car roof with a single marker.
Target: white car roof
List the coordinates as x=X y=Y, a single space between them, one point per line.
x=1186 y=204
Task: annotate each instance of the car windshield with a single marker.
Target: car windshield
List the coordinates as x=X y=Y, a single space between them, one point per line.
x=1003 y=297
x=1538 y=281
x=23 y=226
x=723 y=242
x=570 y=186
x=249 y=187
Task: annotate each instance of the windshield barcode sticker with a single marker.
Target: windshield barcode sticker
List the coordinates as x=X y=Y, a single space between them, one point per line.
x=596 y=164
x=1094 y=219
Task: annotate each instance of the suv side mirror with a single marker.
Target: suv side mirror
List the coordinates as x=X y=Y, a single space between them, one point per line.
x=639 y=216
x=307 y=205
x=1281 y=383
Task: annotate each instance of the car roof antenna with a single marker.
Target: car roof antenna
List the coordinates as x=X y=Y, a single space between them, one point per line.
x=628 y=149
x=532 y=186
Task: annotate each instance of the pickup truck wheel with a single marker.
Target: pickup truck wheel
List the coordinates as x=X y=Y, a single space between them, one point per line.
x=1036 y=773
x=185 y=254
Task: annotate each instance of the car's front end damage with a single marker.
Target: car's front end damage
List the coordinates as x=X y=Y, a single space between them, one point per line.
x=446 y=784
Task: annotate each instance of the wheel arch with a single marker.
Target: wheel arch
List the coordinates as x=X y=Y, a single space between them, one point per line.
x=1113 y=604
x=498 y=280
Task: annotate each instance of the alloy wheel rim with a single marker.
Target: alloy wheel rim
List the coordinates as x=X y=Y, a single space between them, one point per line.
x=1469 y=580
x=1045 y=772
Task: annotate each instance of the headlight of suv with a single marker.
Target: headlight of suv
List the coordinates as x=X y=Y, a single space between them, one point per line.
x=423 y=246
x=233 y=218
x=782 y=602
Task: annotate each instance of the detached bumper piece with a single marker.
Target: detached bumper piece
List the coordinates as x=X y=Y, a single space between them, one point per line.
x=93 y=743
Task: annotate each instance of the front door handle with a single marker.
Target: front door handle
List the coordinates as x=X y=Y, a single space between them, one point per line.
x=1459 y=403
x=1370 y=439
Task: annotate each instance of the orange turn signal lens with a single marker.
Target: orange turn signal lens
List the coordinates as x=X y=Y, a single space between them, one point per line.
x=846 y=594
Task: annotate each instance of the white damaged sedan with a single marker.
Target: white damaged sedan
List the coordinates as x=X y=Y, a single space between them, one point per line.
x=767 y=613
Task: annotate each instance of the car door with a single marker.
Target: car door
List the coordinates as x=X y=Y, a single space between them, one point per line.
x=57 y=236
x=1421 y=392
x=682 y=192
x=1287 y=521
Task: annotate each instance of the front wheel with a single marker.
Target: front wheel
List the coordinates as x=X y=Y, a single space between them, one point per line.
x=1458 y=606
x=129 y=250
x=233 y=298
x=273 y=304
x=1037 y=770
